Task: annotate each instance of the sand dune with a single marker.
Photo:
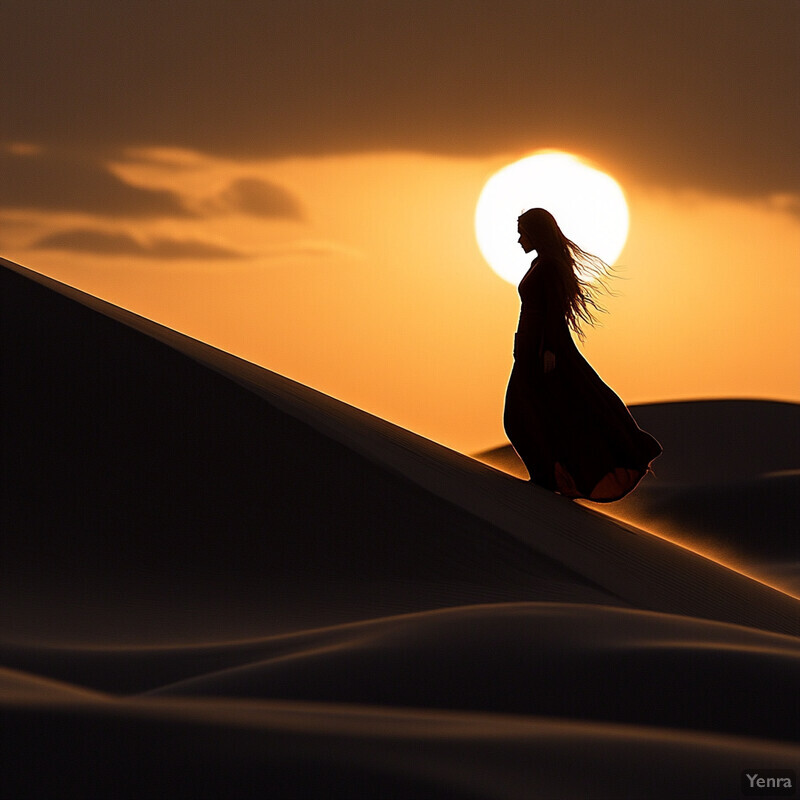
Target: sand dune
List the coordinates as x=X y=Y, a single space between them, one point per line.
x=228 y=748
x=215 y=580
x=517 y=653
x=728 y=481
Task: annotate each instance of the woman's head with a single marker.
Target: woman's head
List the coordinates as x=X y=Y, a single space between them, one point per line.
x=580 y=276
x=541 y=230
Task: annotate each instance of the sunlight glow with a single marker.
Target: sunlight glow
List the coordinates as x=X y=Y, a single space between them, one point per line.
x=589 y=206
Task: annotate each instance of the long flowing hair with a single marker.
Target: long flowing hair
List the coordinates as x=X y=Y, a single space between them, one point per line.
x=582 y=276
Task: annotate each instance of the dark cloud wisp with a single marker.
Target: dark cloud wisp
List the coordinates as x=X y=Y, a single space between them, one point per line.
x=257 y=198
x=85 y=240
x=46 y=182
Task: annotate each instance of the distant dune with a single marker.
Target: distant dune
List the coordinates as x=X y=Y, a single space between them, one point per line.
x=217 y=582
x=728 y=481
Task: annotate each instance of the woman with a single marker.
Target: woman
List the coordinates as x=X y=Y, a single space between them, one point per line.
x=574 y=435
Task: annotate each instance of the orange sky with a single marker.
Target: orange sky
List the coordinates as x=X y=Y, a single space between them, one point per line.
x=376 y=292
x=295 y=181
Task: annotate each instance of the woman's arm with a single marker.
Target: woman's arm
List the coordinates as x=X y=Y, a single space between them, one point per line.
x=553 y=323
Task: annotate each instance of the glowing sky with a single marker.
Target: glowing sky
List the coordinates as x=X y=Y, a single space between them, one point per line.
x=296 y=183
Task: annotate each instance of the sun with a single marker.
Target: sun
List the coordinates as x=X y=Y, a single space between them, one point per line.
x=588 y=205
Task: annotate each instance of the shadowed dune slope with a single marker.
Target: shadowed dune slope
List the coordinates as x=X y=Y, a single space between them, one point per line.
x=558 y=660
x=159 y=487
x=729 y=476
x=149 y=497
x=217 y=582
x=716 y=441
x=231 y=749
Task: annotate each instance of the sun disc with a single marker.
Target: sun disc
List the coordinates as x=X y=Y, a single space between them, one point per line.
x=588 y=205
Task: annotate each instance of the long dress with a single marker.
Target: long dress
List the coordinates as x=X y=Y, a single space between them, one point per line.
x=572 y=432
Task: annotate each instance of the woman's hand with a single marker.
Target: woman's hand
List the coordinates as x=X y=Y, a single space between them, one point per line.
x=548 y=361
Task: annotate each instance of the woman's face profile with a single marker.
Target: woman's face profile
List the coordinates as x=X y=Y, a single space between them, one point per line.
x=524 y=241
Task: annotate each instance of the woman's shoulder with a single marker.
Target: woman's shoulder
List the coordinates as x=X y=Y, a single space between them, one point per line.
x=541 y=268
x=546 y=263
x=543 y=272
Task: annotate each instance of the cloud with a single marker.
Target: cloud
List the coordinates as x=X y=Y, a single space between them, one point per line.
x=787 y=203
x=314 y=249
x=84 y=240
x=685 y=93
x=30 y=179
x=257 y=198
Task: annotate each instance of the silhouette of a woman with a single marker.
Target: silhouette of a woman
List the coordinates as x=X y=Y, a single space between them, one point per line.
x=574 y=435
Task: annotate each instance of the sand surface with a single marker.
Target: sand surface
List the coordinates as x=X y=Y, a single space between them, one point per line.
x=728 y=482
x=215 y=582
